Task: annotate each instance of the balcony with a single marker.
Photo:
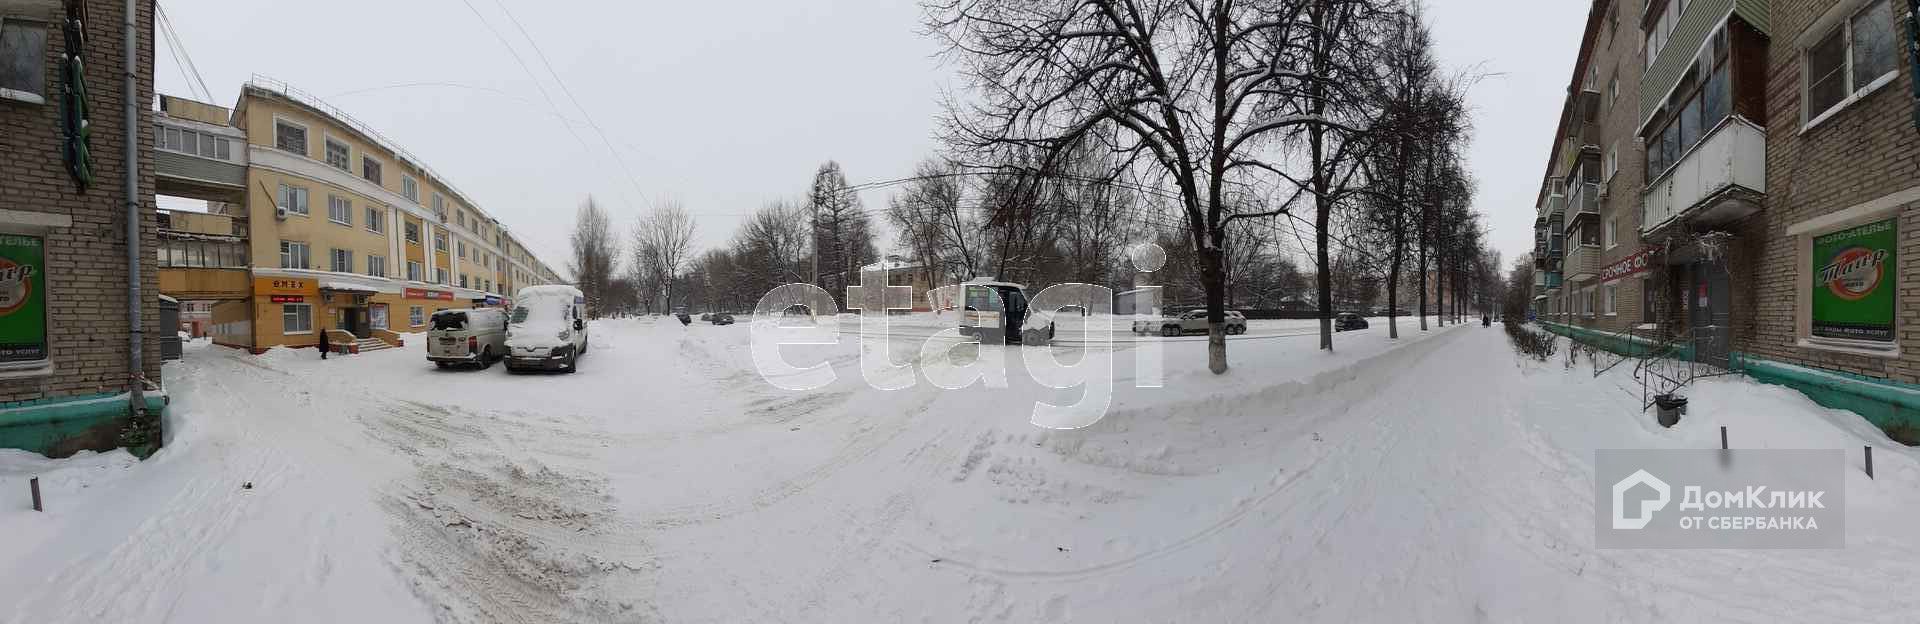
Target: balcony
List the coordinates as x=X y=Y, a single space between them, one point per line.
x=1583 y=201
x=1721 y=180
x=196 y=154
x=1583 y=263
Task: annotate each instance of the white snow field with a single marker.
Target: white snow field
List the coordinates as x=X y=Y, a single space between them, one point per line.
x=1437 y=478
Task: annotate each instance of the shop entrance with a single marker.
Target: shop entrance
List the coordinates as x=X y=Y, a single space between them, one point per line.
x=1709 y=312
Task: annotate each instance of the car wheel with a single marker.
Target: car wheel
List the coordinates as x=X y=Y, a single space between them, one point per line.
x=1170 y=331
x=1033 y=337
x=439 y=364
x=573 y=363
x=486 y=358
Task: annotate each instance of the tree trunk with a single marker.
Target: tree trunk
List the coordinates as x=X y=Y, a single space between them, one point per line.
x=1213 y=277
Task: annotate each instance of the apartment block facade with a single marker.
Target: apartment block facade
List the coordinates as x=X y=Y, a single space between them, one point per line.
x=320 y=224
x=65 y=325
x=1778 y=153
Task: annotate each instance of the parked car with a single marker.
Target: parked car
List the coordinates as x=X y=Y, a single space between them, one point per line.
x=548 y=329
x=1192 y=321
x=706 y=316
x=1346 y=321
x=997 y=313
x=721 y=318
x=477 y=336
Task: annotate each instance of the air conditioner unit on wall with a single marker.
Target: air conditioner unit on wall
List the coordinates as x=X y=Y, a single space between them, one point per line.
x=280 y=212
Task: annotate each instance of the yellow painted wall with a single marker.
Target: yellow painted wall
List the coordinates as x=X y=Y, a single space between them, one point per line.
x=232 y=323
x=201 y=283
x=315 y=228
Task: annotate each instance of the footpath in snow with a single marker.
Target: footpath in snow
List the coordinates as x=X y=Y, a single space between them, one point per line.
x=1434 y=478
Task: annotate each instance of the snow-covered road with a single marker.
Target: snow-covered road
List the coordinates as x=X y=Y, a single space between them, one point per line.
x=1434 y=478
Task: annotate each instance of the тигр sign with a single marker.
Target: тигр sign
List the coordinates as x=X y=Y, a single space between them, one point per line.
x=23 y=299
x=1853 y=282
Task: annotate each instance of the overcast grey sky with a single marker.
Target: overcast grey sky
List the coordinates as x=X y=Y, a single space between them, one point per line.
x=728 y=105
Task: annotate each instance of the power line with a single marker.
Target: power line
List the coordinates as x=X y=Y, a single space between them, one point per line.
x=178 y=48
x=536 y=79
x=576 y=101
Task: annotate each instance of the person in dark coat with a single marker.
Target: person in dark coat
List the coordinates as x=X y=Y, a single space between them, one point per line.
x=323 y=344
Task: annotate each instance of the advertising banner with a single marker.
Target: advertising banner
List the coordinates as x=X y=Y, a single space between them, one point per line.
x=23 y=299
x=1853 y=282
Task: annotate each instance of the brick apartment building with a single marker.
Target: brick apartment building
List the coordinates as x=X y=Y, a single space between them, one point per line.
x=1779 y=145
x=64 y=327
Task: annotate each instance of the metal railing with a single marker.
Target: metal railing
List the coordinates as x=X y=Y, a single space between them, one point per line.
x=1680 y=359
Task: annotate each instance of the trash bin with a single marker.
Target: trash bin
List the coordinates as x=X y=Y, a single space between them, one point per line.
x=1670 y=407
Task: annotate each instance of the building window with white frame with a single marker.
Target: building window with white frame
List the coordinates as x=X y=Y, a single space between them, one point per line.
x=293 y=199
x=342 y=261
x=293 y=255
x=413 y=272
x=23 y=54
x=296 y=318
x=410 y=188
x=289 y=136
x=1608 y=235
x=377 y=315
x=440 y=276
x=377 y=266
x=1611 y=165
x=440 y=242
x=412 y=233
x=339 y=210
x=416 y=316
x=1856 y=55
x=376 y=220
x=1609 y=299
x=338 y=155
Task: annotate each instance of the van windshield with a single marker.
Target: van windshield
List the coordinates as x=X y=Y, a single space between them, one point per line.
x=450 y=321
x=545 y=310
x=983 y=299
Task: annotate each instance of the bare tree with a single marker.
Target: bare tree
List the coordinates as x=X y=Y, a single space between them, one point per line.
x=662 y=245
x=933 y=223
x=842 y=235
x=1193 y=91
x=595 y=254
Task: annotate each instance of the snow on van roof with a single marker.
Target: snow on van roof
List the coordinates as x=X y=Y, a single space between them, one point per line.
x=548 y=290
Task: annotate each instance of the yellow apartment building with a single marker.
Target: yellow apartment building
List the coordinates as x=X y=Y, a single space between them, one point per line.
x=317 y=223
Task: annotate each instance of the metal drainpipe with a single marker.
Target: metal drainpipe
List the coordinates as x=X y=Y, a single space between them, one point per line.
x=130 y=102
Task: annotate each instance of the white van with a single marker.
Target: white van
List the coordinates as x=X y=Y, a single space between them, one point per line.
x=996 y=312
x=477 y=336
x=548 y=329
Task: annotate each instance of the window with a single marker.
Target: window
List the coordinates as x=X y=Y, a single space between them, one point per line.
x=290 y=136
x=410 y=188
x=1852 y=297
x=369 y=169
x=1611 y=165
x=412 y=233
x=461 y=247
x=1700 y=100
x=342 y=261
x=1607 y=235
x=463 y=280
x=461 y=216
x=296 y=318
x=293 y=199
x=1856 y=56
x=377 y=315
x=293 y=255
x=416 y=316
x=23 y=61
x=413 y=273
x=1613 y=92
x=377 y=266
x=1589 y=235
x=337 y=154
x=439 y=207
x=339 y=210
x=440 y=242
x=376 y=219
x=1608 y=299
x=440 y=276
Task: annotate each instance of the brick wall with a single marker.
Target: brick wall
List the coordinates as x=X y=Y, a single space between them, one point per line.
x=1866 y=151
x=86 y=263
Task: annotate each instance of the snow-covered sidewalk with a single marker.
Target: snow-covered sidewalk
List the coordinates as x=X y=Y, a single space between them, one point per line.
x=1434 y=478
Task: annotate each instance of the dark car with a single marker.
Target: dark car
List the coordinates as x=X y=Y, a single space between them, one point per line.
x=1346 y=321
x=720 y=318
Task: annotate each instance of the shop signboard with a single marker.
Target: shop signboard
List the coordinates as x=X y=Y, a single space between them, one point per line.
x=1854 y=282
x=422 y=293
x=23 y=299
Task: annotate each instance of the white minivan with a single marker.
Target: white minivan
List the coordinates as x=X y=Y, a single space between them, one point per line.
x=548 y=329
x=476 y=336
